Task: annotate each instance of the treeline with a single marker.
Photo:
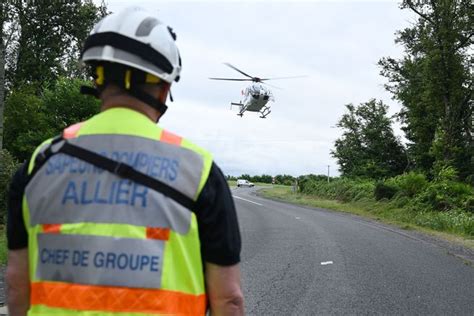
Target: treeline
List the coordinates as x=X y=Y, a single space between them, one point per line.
x=283 y=179
x=433 y=82
x=40 y=75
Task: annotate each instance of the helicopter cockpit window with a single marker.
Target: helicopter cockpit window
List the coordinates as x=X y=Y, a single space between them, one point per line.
x=255 y=90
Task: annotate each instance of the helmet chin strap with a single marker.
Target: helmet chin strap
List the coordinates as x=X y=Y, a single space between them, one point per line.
x=136 y=93
x=148 y=99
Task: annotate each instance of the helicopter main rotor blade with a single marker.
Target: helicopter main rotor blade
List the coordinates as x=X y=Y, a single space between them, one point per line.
x=236 y=69
x=231 y=79
x=272 y=86
x=278 y=78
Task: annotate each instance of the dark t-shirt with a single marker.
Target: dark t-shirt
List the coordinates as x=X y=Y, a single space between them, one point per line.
x=217 y=220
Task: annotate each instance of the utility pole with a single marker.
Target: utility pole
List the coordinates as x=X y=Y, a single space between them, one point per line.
x=328 y=173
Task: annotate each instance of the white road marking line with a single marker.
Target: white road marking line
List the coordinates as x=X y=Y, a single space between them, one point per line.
x=325 y=263
x=298 y=217
x=238 y=197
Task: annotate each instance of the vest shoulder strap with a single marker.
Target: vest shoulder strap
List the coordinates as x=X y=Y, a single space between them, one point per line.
x=123 y=170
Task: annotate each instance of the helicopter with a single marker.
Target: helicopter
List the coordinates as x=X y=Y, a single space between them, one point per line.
x=257 y=95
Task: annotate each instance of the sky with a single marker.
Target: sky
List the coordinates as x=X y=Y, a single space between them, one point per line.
x=336 y=44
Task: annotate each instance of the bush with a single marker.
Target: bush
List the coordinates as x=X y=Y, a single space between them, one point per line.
x=341 y=189
x=469 y=204
x=410 y=191
x=384 y=191
x=470 y=180
x=444 y=196
x=409 y=184
x=443 y=204
x=445 y=193
x=8 y=166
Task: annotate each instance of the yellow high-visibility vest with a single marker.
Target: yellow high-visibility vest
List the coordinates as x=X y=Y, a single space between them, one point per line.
x=99 y=244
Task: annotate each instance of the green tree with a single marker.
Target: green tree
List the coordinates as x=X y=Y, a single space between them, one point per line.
x=434 y=81
x=5 y=39
x=368 y=147
x=45 y=39
x=26 y=123
x=40 y=42
x=265 y=178
x=32 y=118
x=65 y=105
x=2 y=70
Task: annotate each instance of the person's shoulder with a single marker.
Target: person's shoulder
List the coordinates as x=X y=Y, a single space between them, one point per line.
x=38 y=149
x=171 y=137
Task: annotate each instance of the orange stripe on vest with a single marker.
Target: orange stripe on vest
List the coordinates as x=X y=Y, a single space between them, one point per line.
x=71 y=131
x=170 y=138
x=52 y=228
x=158 y=233
x=116 y=299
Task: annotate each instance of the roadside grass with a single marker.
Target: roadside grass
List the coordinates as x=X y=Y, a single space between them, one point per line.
x=458 y=227
x=3 y=246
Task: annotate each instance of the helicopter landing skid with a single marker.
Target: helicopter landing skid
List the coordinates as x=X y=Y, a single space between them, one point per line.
x=265 y=112
x=234 y=103
x=241 y=113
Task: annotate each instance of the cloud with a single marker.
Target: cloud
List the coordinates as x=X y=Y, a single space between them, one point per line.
x=335 y=43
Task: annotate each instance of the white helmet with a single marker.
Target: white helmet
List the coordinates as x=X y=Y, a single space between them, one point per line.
x=136 y=38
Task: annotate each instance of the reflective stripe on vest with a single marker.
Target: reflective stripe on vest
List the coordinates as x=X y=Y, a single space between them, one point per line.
x=85 y=298
x=71 y=131
x=100 y=243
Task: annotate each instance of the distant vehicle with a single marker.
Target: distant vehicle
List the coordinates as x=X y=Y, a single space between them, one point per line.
x=244 y=183
x=256 y=96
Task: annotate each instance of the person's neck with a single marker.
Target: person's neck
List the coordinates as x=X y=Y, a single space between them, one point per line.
x=130 y=103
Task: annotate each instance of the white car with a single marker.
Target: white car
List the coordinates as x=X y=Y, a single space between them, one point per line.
x=244 y=183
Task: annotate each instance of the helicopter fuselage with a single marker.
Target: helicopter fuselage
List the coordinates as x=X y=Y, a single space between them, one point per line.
x=256 y=97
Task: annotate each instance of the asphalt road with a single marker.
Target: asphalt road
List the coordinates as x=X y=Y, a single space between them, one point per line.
x=301 y=261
